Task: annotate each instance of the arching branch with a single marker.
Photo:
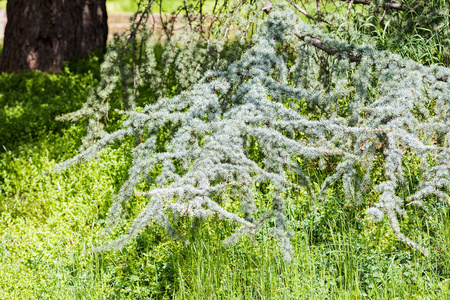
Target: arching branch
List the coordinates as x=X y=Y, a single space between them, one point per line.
x=392 y=5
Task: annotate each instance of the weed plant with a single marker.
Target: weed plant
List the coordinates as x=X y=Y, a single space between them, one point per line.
x=421 y=33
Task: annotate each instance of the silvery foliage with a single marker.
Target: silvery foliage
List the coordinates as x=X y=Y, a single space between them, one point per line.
x=395 y=108
x=130 y=63
x=118 y=74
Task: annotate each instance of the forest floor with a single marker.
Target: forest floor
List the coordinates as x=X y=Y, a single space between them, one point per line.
x=118 y=22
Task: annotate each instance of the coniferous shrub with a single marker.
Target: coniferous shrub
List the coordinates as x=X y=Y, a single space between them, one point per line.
x=298 y=95
x=141 y=71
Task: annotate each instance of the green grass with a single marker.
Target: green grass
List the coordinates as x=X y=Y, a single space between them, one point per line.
x=50 y=222
x=119 y=6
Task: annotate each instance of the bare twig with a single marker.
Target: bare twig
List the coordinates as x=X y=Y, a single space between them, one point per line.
x=301 y=10
x=212 y=20
x=234 y=12
x=392 y=5
x=382 y=17
x=319 y=11
x=200 y=3
x=187 y=14
x=268 y=8
x=145 y=12
x=304 y=12
x=348 y=9
x=244 y=34
x=365 y=2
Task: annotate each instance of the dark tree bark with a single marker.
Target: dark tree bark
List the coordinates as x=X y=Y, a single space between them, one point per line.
x=42 y=34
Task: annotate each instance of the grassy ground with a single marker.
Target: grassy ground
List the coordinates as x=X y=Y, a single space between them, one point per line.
x=118 y=6
x=50 y=222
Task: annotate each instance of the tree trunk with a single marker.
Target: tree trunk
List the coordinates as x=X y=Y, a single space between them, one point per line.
x=42 y=34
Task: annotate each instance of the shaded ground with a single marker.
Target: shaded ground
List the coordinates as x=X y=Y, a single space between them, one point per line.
x=117 y=22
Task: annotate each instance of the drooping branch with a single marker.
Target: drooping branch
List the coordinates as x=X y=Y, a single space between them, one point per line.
x=352 y=58
x=392 y=217
x=203 y=156
x=304 y=12
x=318 y=44
x=140 y=21
x=319 y=10
x=392 y=5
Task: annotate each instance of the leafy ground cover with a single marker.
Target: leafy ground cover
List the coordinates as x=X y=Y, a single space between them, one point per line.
x=31 y=101
x=49 y=223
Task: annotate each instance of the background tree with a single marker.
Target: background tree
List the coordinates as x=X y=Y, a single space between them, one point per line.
x=42 y=34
